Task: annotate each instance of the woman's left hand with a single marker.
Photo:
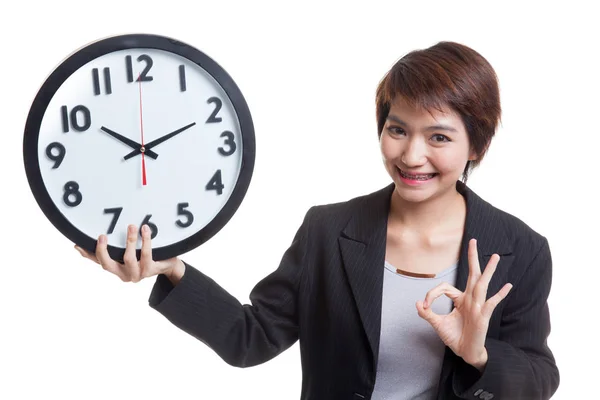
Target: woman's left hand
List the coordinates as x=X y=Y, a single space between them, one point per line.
x=464 y=329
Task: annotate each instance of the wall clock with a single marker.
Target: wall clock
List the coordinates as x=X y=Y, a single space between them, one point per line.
x=139 y=129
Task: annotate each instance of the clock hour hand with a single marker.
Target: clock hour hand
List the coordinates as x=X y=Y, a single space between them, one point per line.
x=158 y=141
x=131 y=143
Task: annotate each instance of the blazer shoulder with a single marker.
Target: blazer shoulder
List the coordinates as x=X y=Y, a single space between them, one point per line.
x=337 y=214
x=339 y=211
x=518 y=231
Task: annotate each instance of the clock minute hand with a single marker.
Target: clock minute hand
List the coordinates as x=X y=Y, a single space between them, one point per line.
x=131 y=143
x=158 y=141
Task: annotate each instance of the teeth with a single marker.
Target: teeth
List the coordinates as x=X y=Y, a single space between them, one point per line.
x=416 y=177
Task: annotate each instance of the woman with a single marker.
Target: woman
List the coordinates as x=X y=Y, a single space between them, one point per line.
x=361 y=285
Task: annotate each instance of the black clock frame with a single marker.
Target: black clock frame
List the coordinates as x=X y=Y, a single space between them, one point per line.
x=124 y=42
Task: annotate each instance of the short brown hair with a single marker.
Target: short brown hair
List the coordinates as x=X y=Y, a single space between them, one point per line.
x=446 y=74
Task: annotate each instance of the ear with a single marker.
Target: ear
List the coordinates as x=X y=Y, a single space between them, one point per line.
x=472 y=155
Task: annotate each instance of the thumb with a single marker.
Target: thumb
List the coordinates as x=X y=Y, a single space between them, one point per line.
x=86 y=254
x=428 y=314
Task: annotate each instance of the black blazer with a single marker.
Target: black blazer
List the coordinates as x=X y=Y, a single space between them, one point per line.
x=327 y=293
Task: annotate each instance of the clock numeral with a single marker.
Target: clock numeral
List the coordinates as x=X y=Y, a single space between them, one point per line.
x=186 y=213
x=151 y=225
x=116 y=214
x=218 y=104
x=182 y=83
x=215 y=183
x=107 y=83
x=129 y=66
x=73 y=117
x=144 y=77
x=229 y=142
x=72 y=190
x=57 y=158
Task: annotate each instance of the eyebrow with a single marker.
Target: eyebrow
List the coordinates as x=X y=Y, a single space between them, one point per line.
x=429 y=128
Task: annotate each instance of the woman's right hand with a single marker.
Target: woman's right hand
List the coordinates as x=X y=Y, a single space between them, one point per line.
x=132 y=270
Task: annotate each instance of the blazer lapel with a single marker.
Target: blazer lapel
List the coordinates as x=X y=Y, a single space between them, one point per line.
x=362 y=245
x=482 y=224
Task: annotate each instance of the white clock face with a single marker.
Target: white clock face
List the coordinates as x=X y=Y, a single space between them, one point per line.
x=90 y=138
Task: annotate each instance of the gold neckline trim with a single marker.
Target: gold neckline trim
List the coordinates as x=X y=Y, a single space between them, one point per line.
x=414 y=274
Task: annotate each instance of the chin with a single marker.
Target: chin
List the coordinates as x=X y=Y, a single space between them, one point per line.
x=413 y=196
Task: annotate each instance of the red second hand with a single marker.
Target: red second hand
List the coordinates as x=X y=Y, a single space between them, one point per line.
x=142 y=133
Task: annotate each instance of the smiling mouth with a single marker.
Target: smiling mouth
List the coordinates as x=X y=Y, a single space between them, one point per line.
x=416 y=177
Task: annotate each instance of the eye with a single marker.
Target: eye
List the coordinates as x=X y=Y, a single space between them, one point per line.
x=439 y=138
x=395 y=130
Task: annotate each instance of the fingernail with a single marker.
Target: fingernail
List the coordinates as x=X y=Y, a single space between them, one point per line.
x=145 y=229
x=425 y=304
x=131 y=229
x=102 y=239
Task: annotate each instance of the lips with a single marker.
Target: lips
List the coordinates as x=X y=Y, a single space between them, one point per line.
x=417 y=176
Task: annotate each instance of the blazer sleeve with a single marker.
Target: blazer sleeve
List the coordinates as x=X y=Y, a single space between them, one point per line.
x=242 y=335
x=520 y=364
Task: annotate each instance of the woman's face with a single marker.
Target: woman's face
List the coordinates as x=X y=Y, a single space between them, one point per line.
x=425 y=155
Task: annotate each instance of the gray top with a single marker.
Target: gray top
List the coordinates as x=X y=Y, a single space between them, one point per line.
x=410 y=352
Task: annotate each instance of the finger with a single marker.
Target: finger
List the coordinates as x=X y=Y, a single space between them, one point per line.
x=131 y=267
x=490 y=305
x=428 y=314
x=474 y=268
x=481 y=287
x=104 y=258
x=442 y=288
x=146 y=255
x=87 y=254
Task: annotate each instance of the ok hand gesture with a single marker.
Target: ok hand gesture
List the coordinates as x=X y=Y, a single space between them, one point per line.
x=464 y=329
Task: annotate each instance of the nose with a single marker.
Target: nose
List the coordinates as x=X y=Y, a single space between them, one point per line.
x=415 y=153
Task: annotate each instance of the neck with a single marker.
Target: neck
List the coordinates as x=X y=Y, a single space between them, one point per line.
x=428 y=217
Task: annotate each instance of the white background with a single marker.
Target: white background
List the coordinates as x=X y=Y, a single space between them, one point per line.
x=70 y=330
